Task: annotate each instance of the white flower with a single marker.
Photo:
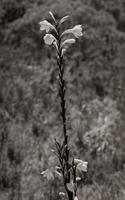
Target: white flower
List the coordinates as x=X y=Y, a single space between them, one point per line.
x=45 y=25
x=75 y=198
x=68 y=41
x=49 y=39
x=76 y=31
x=81 y=165
x=48 y=174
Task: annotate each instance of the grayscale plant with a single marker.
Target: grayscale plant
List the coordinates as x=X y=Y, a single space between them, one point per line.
x=67 y=169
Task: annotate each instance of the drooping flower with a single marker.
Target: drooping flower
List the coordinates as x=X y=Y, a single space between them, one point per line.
x=46 y=26
x=76 y=31
x=68 y=41
x=49 y=39
x=81 y=165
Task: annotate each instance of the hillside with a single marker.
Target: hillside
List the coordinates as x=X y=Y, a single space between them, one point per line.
x=29 y=104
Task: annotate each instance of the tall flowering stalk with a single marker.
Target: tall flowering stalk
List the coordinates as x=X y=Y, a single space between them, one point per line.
x=66 y=169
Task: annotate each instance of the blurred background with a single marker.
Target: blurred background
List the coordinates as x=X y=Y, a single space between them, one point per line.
x=29 y=104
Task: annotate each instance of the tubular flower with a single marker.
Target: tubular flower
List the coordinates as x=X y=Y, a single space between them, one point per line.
x=45 y=25
x=76 y=31
x=81 y=165
x=68 y=41
x=49 y=39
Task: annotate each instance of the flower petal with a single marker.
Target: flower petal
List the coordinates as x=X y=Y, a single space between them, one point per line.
x=76 y=31
x=45 y=25
x=49 y=39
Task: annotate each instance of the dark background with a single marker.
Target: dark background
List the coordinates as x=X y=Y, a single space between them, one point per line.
x=29 y=107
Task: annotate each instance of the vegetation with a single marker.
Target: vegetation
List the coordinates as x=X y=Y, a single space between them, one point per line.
x=29 y=118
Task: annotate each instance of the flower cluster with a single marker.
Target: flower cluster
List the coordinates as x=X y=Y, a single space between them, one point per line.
x=50 y=39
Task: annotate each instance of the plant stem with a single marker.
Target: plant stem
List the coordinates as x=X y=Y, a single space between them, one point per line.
x=62 y=90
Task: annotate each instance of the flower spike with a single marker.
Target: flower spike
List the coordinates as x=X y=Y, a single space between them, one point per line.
x=67 y=169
